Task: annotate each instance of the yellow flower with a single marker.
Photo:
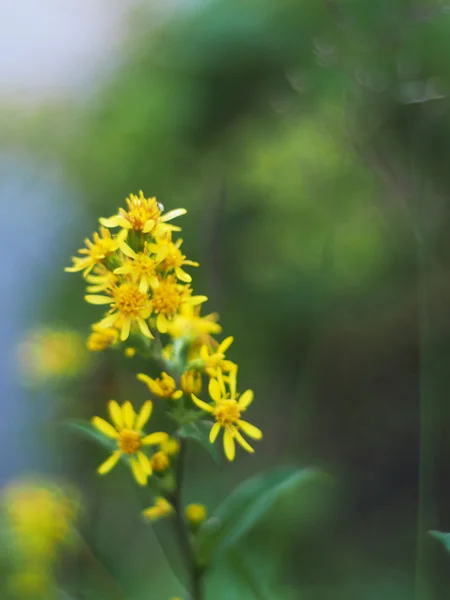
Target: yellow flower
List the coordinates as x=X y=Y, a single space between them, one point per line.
x=174 y=259
x=195 y=514
x=227 y=411
x=188 y=323
x=160 y=462
x=127 y=431
x=96 y=252
x=191 y=382
x=143 y=215
x=170 y=446
x=141 y=268
x=130 y=352
x=48 y=353
x=129 y=306
x=162 y=508
x=101 y=338
x=40 y=516
x=214 y=361
x=164 y=386
x=169 y=298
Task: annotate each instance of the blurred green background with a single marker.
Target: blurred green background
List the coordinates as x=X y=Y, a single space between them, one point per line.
x=309 y=142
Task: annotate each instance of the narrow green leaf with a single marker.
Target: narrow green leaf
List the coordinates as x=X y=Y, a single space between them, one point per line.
x=88 y=431
x=199 y=431
x=248 y=504
x=444 y=538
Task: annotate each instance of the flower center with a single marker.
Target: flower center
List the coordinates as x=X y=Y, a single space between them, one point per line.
x=141 y=210
x=167 y=385
x=227 y=412
x=167 y=297
x=129 y=441
x=144 y=265
x=129 y=300
x=174 y=258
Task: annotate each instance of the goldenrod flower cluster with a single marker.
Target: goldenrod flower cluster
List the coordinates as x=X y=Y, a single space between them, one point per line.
x=39 y=519
x=135 y=267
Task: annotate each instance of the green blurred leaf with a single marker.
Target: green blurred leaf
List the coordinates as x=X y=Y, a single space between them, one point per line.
x=444 y=538
x=246 y=505
x=87 y=430
x=199 y=431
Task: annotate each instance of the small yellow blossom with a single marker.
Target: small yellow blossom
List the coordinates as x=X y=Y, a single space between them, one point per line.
x=214 y=360
x=160 y=462
x=129 y=306
x=191 y=382
x=164 y=386
x=162 y=508
x=127 y=431
x=226 y=411
x=143 y=215
x=195 y=514
x=170 y=446
x=141 y=267
x=130 y=352
x=174 y=259
x=96 y=252
x=168 y=298
x=188 y=323
x=101 y=338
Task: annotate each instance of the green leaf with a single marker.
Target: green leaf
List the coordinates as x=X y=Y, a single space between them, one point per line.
x=199 y=431
x=248 y=504
x=444 y=538
x=87 y=430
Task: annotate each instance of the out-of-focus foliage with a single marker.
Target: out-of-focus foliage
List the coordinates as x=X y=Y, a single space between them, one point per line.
x=311 y=141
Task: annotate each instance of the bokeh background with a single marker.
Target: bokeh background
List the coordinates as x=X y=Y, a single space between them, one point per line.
x=309 y=142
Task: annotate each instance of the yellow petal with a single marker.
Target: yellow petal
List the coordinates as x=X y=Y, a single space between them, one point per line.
x=144 y=415
x=94 y=299
x=232 y=383
x=161 y=323
x=201 y=404
x=128 y=415
x=246 y=399
x=145 y=329
x=172 y=214
x=109 y=463
x=225 y=344
x=214 y=390
x=125 y=331
x=194 y=300
x=143 y=286
x=105 y=427
x=107 y=322
x=177 y=395
x=148 y=226
x=214 y=432
x=115 y=413
x=154 y=438
x=138 y=472
x=111 y=222
x=228 y=444
x=182 y=275
x=145 y=463
x=250 y=430
x=240 y=440
x=127 y=250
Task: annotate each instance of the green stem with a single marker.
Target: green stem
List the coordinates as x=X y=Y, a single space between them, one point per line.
x=181 y=531
x=427 y=509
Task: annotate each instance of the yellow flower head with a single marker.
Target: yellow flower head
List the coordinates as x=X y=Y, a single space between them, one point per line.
x=143 y=215
x=129 y=306
x=188 y=323
x=168 y=298
x=195 y=514
x=141 y=267
x=162 y=508
x=191 y=382
x=127 y=432
x=130 y=352
x=170 y=446
x=164 y=386
x=214 y=361
x=40 y=516
x=226 y=411
x=48 y=353
x=101 y=338
x=174 y=259
x=160 y=462
x=102 y=246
